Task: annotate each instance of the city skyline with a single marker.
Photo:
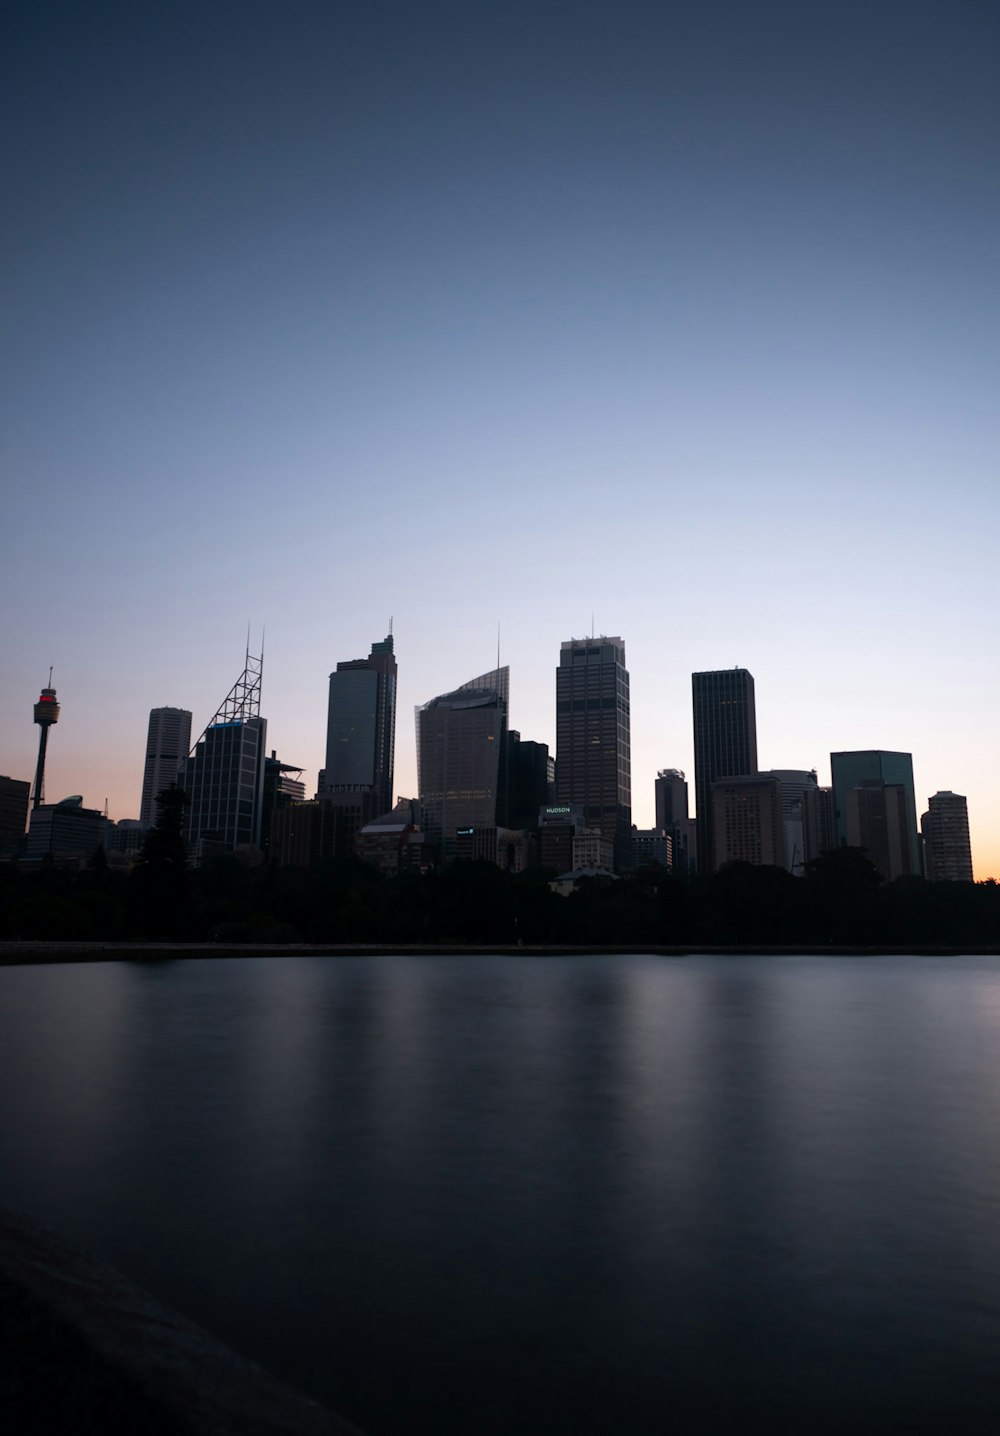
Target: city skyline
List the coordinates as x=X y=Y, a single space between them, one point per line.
x=683 y=320
x=738 y=679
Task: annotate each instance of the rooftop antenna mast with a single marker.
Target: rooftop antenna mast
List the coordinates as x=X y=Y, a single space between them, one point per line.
x=243 y=700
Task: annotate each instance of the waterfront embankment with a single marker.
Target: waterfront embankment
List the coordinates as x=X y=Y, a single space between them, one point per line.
x=33 y=952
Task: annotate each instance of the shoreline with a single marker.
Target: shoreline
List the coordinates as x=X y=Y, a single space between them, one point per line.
x=31 y=953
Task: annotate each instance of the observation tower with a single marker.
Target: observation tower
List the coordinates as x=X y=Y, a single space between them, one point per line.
x=46 y=713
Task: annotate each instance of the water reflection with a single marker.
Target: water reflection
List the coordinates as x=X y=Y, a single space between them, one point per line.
x=524 y=1195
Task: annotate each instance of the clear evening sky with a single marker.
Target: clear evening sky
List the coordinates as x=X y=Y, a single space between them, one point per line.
x=683 y=316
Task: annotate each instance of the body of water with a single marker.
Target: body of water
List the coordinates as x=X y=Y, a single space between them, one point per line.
x=539 y=1195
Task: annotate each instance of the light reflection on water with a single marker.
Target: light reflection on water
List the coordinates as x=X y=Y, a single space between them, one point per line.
x=482 y=1194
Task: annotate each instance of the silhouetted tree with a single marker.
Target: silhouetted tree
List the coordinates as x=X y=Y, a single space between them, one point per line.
x=160 y=886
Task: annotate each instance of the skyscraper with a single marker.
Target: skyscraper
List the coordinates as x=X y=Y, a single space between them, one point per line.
x=865 y=768
x=593 y=737
x=224 y=775
x=462 y=758
x=725 y=743
x=361 y=729
x=947 y=850
x=168 y=741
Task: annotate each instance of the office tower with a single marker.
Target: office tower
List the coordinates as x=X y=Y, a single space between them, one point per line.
x=168 y=741
x=593 y=741
x=794 y=784
x=46 y=713
x=15 y=794
x=224 y=775
x=851 y=770
x=529 y=767
x=361 y=730
x=877 y=821
x=725 y=743
x=819 y=824
x=747 y=821
x=462 y=759
x=947 y=850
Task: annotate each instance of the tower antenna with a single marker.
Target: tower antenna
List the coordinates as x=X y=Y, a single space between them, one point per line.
x=498 y=644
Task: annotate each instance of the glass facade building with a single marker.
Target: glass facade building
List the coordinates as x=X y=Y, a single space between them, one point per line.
x=361 y=729
x=725 y=743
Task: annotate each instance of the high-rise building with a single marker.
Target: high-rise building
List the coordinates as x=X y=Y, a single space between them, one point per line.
x=361 y=729
x=224 y=775
x=947 y=850
x=462 y=759
x=747 y=821
x=725 y=743
x=14 y=797
x=852 y=770
x=168 y=741
x=593 y=737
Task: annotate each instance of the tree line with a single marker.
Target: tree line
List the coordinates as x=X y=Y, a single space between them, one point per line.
x=840 y=900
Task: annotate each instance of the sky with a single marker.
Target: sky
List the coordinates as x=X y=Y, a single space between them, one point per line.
x=674 y=322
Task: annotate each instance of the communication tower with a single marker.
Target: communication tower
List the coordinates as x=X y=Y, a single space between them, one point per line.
x=46 y=713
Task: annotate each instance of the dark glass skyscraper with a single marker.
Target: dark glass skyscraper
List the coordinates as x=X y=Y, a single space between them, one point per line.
x=462 y=759
x=593 y=736
x=725 y=743
x=361 y=730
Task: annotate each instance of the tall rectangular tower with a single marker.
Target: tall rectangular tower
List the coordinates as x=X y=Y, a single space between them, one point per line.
x=361 y=729
x=168 y=742
x=725 y=743
x=593 y=736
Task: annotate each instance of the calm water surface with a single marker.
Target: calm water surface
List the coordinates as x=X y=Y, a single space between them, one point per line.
x=520 y=1195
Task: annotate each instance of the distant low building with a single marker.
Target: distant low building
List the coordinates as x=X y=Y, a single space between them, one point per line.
x=569 y=882
x=67 y=831
x=394 y=843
